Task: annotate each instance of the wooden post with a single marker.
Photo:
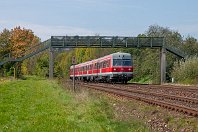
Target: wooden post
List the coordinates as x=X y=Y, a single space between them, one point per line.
x=14 y=73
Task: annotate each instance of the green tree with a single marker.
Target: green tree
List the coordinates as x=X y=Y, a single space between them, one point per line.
x=4 y=51
x=172 y=38
x=79 y=54
x=5 y=42
x=190 y=46
x=42 y=65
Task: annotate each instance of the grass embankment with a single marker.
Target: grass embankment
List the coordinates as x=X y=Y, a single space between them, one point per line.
x=42 y=105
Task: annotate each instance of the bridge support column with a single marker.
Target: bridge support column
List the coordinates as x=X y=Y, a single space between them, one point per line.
x=51 y=63
x=162 y=65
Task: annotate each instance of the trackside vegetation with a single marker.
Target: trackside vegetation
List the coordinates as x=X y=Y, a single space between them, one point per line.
x=37 y=104
x=186 y=71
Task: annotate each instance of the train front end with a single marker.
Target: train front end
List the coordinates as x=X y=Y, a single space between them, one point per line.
x=122 y=67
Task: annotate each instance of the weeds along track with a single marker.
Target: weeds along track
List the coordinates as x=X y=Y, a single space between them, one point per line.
x=179 y=103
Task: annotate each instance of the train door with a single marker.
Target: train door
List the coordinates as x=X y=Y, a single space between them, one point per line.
x=98 y=68
x=87 y=69
x=92 y=68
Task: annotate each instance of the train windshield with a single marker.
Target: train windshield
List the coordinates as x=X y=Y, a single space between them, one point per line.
x=120 y=62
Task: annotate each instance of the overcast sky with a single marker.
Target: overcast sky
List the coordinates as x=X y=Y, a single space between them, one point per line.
x=103 y=17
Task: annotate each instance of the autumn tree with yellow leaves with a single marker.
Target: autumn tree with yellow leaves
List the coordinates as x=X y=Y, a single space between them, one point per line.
x=21 y=40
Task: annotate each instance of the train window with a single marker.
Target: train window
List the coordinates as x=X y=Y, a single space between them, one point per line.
x=120 y=62
x=104 y=64
x=95 y=66
x=108 y=63
x=117 y=62
x=127 y=63
x=100 y=64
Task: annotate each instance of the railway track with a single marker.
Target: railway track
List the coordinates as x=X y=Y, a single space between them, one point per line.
x=166 y=87
x=173 y=97
x=173 y=102
x=175 y=90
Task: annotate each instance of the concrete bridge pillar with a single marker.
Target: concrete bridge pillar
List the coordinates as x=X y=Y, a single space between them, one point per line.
x=162 y=65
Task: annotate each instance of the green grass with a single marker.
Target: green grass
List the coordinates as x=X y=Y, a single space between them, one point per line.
x=143 y=80
x=36 y=104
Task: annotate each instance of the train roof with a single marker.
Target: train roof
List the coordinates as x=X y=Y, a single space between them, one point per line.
x=121 y=55
x=115 y=54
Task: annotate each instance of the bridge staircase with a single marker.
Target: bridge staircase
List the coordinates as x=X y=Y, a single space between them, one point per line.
x=27 y=53
x=175 y=51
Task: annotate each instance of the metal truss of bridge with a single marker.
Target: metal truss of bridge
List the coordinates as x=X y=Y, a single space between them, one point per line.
x=60 y=42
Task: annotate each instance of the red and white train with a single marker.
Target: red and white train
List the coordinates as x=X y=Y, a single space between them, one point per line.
x=116 y=67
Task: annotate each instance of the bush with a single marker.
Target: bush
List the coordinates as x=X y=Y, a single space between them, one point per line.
x=186 y=72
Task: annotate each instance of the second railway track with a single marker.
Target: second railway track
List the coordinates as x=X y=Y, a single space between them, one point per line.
x=178 y=103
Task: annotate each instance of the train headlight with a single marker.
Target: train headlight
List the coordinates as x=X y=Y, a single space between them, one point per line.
x=129 y=69
x=114 y=69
